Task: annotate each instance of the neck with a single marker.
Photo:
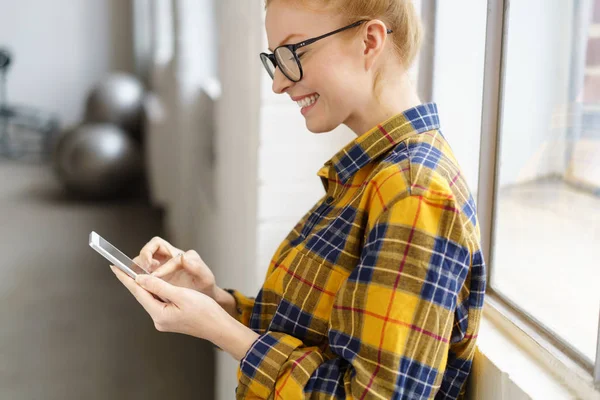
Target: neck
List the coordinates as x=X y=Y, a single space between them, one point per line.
x=395 y=97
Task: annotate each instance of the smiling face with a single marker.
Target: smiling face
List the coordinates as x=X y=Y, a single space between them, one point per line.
x=334 y=68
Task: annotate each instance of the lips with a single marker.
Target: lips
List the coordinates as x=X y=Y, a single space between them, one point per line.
x=298 y=98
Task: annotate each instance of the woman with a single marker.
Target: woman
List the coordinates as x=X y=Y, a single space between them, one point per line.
x=377 y=292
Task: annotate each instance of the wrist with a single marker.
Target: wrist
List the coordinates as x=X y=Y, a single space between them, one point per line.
x=235 y=338
x=226 y=300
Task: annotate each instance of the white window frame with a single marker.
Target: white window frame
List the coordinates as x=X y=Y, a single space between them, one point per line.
x=551 y=350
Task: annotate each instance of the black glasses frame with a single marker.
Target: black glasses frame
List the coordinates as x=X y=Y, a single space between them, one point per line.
x=293 y=47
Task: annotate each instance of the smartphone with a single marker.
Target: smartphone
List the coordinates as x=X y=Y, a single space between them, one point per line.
x=115 y=256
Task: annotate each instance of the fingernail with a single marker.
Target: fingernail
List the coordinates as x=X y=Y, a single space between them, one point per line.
x=141 y=279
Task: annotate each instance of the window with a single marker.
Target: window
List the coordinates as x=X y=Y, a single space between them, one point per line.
x=540 y=167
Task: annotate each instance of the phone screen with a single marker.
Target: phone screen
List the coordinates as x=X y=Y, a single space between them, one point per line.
x=116 y=253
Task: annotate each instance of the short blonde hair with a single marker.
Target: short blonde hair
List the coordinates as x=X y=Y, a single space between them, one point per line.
x=398 y=15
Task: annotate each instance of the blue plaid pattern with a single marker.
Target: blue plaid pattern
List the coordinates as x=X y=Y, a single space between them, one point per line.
x=377 y=292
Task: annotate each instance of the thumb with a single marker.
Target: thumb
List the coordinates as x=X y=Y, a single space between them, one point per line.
x=158 y=287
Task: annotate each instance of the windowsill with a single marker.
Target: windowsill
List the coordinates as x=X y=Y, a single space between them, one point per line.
x=523 y=367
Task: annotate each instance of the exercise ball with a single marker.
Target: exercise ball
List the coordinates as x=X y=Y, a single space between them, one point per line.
x=118 y=99
x=97 y=160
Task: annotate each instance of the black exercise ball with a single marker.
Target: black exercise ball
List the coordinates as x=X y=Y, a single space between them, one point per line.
x=97 y=160
x=118 y=100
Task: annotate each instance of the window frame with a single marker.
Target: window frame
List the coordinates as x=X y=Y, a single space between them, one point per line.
x=491 y=125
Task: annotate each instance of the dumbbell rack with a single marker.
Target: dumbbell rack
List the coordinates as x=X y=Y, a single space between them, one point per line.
x=25 y=133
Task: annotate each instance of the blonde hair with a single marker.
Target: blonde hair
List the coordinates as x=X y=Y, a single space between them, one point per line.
x=398 y=15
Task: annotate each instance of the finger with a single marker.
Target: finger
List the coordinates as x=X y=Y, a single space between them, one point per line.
x=159 y=247
x=169 y=267
x=156 y=264
x=159 y=287
x=149 y=268
x=150 y=304
x=122 y=276
x=161 y=258
x=192 y=262
x=139 y=262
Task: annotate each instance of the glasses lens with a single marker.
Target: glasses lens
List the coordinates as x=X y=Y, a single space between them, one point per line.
x=288 y=64
x=268 y=65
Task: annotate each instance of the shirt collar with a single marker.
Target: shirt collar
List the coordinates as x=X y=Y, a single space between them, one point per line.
x=382 y=138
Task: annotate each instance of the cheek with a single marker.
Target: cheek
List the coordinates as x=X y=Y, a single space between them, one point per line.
x=339 y=76
x=341 y=89
x=338 y=82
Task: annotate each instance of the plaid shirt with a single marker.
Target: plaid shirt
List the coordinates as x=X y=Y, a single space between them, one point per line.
x=377 y=292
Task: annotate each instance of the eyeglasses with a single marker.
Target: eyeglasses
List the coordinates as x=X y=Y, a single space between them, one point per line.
x=287 y=60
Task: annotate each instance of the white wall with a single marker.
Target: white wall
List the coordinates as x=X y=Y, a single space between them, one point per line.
x=62 y=48
x=236 y=175
x=458 y=78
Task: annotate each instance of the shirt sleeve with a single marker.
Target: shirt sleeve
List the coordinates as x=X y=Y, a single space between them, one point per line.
x=392 y=320
x=244 y=306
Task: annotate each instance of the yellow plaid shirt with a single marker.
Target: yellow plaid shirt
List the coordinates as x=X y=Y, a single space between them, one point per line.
x=377 y=292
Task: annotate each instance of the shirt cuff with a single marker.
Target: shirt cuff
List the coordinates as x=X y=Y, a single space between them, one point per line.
x=244 y=306
x=262 y=363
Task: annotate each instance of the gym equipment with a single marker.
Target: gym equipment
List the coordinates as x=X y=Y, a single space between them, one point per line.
x=25 y=132
x=118 y=99
x=97 y=160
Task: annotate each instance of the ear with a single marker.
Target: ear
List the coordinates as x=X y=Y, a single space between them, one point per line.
x=374 y=40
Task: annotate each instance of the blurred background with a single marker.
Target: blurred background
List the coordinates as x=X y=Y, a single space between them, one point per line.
x=138 y=118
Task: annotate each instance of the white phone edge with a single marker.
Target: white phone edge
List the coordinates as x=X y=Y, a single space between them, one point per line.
x=94 y=242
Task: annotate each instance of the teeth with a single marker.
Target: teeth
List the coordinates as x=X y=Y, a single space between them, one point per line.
x=308 y=101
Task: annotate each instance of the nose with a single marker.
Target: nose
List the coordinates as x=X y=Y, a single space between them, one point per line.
x=280 y=82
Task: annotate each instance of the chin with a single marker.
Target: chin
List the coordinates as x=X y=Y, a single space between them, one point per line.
x=320 y=126
x=316 y=131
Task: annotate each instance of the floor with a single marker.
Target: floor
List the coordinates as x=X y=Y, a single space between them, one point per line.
x=68 y=329
x=546 y=257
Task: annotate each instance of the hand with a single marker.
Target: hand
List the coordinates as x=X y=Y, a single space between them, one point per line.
x=181 y=269
x=155 y=253
x=189 y=312
x=189 y=271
